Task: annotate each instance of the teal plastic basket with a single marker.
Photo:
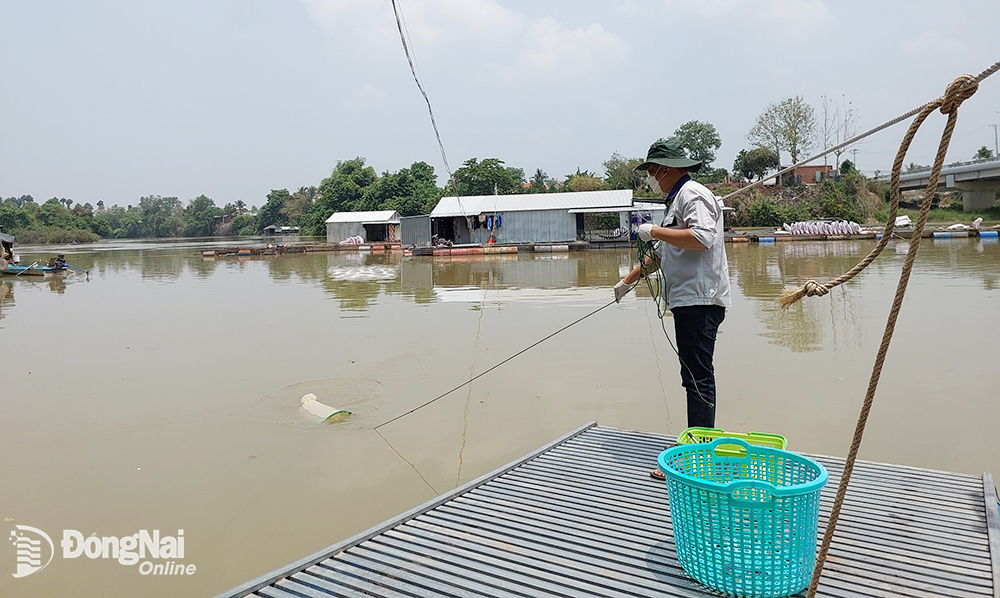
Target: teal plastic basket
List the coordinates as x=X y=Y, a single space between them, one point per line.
x=744 y=516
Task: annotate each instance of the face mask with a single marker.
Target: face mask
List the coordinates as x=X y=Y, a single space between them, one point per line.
x=653 y=184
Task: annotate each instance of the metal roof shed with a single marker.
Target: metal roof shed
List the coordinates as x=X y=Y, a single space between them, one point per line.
x=372 y=226
x=537 y=217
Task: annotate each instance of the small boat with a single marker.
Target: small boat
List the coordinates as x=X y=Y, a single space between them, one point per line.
x=9 y=262
x=32 y=270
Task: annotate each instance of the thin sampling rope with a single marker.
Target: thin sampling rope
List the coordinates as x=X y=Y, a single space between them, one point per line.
x=468 y=396
x=957 y=92
x=481 y=374
x=646 y=254
x=659 y=373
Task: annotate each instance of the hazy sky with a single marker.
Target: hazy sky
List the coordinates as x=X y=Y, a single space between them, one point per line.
x=114 y=100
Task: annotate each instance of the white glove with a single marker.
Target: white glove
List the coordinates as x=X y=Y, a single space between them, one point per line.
x=621 y=289
x=645 y=231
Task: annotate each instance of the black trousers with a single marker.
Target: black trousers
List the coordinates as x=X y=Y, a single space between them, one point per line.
x=696 y=327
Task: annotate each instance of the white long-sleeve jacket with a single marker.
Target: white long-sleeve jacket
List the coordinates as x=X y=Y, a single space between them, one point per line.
x=692 y=277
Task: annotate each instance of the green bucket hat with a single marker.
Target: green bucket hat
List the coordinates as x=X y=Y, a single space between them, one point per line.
x=670 y=153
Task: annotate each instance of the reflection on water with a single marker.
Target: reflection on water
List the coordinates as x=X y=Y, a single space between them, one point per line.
x=164 y=393
x=6 y=297
x=55 y=283
x=760 y=273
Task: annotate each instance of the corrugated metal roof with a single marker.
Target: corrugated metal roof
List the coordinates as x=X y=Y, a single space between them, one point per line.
x=479 y=204
x=378 y=216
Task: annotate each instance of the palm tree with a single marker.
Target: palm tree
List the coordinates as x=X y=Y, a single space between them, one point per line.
x=537 y=182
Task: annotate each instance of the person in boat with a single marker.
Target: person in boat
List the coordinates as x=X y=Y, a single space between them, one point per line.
x=690 y=252
x=6 y=248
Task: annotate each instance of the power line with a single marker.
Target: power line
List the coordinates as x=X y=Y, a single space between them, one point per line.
x=420 y=85
x=415 y=70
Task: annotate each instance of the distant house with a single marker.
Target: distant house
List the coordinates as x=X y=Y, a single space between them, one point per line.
x=274 y=230
x=372 y=227
x=808 y=174
x=527 y=218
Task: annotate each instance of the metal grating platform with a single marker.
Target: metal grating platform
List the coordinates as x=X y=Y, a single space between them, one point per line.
x=581 y=517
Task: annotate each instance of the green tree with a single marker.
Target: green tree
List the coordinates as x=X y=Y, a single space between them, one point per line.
x=984 y=153
x=270 y=213
x=700 y=139
x=789 y=125
x=244 y=225
x=296 y=206
x=836 y=202
x=710 y=175
x=12 y=217
x=101 y=227
x=764 y=211
x=340 y=192
x=199 y=217
x=488 y=177
x=159 y=216
x=537 y=182
x=619 y=172
x=586 y=181
x=755 y=163
x=846 y=167
x=410 y=191
x=128 y=223
x=54 y=213
x=420 y=191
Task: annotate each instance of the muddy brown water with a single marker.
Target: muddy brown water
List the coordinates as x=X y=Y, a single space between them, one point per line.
x=163 y=393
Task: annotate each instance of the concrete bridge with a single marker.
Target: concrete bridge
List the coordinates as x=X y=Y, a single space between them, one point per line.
x=978 y=181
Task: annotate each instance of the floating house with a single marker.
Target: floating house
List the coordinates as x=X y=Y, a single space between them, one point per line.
x=372 y=227
x=274 y=230
x=529 y=218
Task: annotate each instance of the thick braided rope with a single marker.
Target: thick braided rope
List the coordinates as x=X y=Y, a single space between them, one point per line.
x=957 y=92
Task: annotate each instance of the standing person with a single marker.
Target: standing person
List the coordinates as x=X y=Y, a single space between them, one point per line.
x=691 y=255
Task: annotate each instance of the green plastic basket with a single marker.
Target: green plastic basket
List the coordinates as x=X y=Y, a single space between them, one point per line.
x=744 y=525
x=698 y=435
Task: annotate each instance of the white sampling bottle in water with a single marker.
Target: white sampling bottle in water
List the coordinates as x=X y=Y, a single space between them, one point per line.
x=324 y=412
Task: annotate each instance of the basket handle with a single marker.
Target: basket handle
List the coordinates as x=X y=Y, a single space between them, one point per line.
x=726 y=440
x=761 y=486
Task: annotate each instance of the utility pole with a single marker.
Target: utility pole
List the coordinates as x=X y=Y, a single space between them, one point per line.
x=854 y=154
x=996 y=146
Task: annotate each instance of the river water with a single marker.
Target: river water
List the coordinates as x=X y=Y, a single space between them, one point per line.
x=163 y=393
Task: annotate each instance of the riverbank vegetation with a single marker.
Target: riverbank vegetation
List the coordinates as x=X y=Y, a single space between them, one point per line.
x=787 y=127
